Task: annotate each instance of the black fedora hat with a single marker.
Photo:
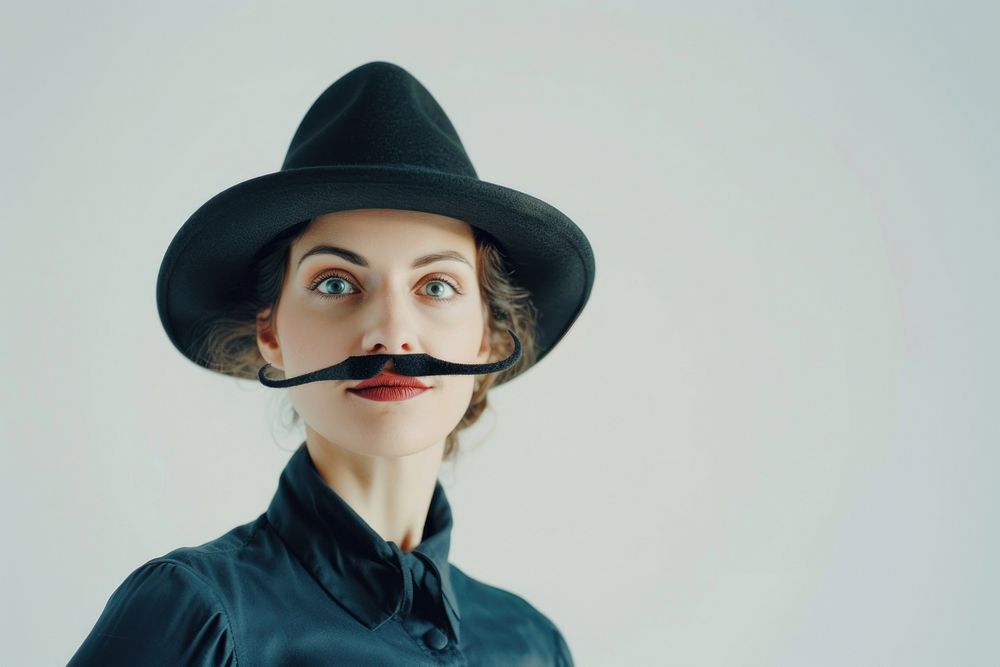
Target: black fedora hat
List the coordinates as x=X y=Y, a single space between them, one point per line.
x=375 y=138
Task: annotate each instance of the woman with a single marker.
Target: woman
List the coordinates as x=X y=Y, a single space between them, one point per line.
x=392 y=288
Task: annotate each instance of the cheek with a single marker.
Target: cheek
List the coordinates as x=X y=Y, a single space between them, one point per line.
x=456 y=393
x=308 y=343
x=461 y=338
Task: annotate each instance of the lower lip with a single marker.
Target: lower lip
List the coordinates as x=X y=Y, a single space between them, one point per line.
x=389 y=393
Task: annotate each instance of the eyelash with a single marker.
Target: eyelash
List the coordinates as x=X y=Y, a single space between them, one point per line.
x=319 y=280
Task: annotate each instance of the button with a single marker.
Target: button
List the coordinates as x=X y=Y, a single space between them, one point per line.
x=435 y=639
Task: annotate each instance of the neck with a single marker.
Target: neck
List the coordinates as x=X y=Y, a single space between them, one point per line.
x=392 y=494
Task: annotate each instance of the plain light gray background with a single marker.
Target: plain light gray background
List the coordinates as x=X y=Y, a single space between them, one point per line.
x=769 y=440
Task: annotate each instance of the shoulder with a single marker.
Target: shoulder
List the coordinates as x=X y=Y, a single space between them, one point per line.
x=221 y=569
x=475 y=593
x=162 y=613
x=509 y=610
x=172 y=609
x=206 y=559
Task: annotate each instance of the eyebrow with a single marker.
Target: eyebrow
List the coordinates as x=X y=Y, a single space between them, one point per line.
x=355 y=258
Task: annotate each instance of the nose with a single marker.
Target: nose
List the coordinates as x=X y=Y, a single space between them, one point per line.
x=389 y=324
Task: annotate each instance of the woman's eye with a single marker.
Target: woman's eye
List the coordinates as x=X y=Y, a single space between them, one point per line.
x=338 y=286
x=440 y=288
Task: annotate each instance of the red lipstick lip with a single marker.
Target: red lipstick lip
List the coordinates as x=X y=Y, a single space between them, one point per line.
x=389 y=379
x=394 y=394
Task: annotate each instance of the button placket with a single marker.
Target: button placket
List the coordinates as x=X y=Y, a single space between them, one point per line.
x=418 y=574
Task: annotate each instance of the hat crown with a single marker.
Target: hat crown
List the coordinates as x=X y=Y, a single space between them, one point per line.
x=378 y=114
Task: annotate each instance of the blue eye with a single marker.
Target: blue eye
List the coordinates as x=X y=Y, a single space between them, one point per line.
x=446 y=283
x=331 y=280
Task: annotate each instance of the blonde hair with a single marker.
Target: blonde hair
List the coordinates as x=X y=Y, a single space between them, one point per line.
x=228 y=343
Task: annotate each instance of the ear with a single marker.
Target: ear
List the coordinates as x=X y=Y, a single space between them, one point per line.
x=267 y=341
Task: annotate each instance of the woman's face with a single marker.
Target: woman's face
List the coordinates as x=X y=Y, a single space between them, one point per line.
x=332 y=308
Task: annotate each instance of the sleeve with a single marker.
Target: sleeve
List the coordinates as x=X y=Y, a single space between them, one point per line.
x=162 y=614
x=563 y=657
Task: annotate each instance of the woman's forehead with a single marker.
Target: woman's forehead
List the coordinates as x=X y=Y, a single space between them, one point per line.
x=387 y=233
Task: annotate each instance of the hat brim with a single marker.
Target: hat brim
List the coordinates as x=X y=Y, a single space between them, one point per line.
x=210 y=256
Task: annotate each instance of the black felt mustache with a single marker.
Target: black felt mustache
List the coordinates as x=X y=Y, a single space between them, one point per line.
x=369 y=365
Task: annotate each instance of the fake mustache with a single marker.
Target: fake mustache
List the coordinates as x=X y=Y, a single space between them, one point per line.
x=369 y=365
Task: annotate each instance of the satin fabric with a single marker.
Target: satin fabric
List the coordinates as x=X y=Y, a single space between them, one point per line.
x=310 y=583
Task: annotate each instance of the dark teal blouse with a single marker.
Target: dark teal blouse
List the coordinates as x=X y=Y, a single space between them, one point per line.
x=310 y=583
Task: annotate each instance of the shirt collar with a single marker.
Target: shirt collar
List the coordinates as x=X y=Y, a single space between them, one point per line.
x=372 y=578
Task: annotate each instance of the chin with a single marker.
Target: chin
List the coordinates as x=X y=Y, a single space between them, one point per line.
x=388 y=437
